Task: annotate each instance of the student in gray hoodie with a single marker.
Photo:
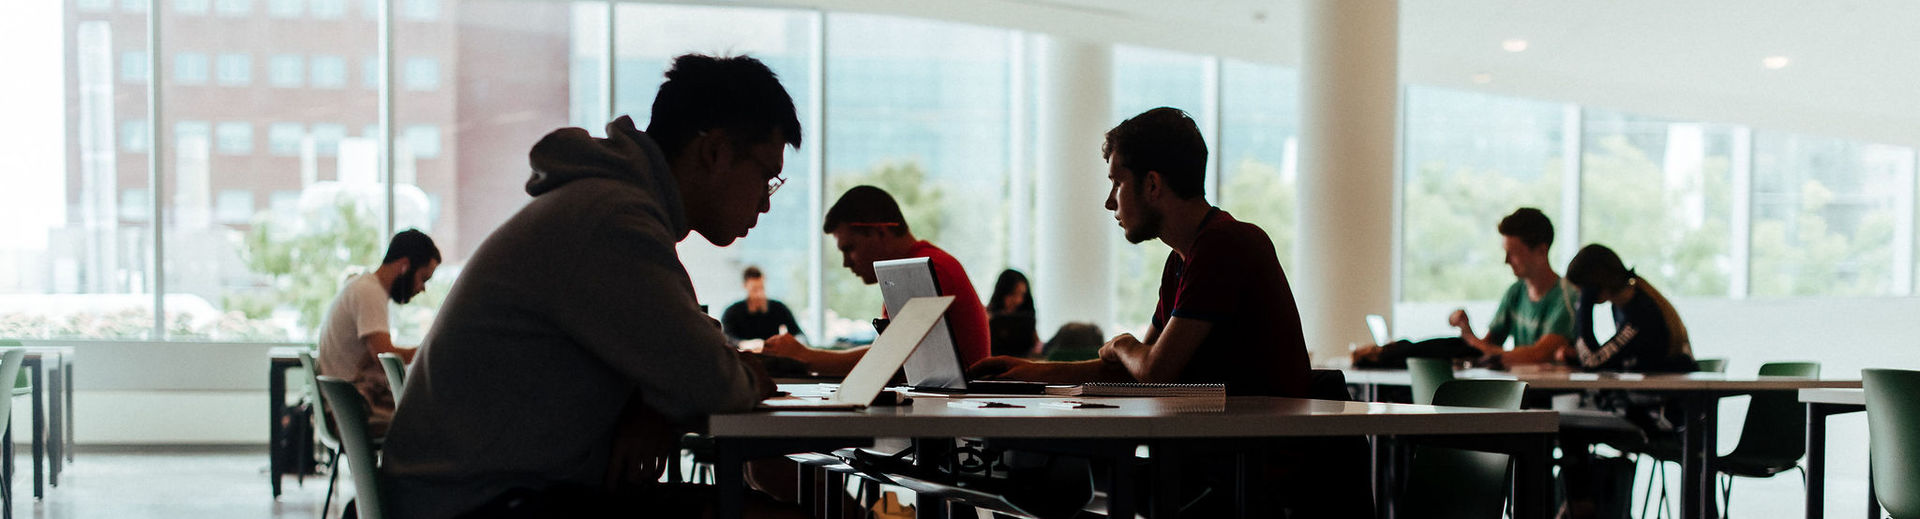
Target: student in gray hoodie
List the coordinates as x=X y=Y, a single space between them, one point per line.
x=572 y=346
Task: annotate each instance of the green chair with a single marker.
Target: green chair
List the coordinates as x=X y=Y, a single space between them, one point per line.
x=1445 y=483
x=321 y=428
x=1893 y=438
x=22 y=384
x=1772 y=439
x=1428 y=374
x=350 y=414
x=396 y=373
x=10 y=363
x=1711 y=365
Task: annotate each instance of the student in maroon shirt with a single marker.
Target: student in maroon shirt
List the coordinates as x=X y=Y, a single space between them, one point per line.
x=1226 y=314
x=867 y=226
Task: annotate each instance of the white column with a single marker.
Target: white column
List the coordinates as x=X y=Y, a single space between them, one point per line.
x=1072 y=276
x=1349 y=96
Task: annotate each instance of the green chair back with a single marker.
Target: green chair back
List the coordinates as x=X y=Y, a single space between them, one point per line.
x=1493 y=394
x=320 y=408
x=1775 y=433
x=1893 y=436
x=1445 y=483
x=350 y=414
x=20 y=380
x=10 y=363
x=1428 y=374
x=396 y=373
x=1711 y=365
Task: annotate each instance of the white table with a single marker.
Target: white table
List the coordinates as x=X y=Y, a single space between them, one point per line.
x=1822 y=403
x=1528 y=435
x=1697 y=393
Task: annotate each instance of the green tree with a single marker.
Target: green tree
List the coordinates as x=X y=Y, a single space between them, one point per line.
x=1452 y=245
x=307 y=256
x=1634 y=207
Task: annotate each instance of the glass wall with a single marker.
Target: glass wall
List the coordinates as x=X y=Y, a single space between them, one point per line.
x=1144 y=79
x=1258 y=150
x=922 y=110
x=1472 y=159
x=1826 y=213
x=76 y=253
x=282 y=174
x=1660 y=193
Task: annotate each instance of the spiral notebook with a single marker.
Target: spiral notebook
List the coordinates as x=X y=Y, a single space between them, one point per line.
x=1138 y=389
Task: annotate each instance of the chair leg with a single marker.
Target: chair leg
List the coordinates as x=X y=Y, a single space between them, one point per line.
x=1727 y=496
x=333 y=476
x=1665 y=510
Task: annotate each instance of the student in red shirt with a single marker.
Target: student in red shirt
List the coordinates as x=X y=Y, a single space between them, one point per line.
x=867 y=226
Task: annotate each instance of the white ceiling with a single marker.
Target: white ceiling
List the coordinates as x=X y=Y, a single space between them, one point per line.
x=1854 y=66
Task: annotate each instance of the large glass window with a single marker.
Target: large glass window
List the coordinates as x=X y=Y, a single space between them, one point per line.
x=74 y=257
x=133 y=66
x=1259 y=149
x=465 y=115
x=1471 y=159
x=920 y=109
x=1144 y=79
x=1660 y=194
x=232 y=274
x=1825 y=212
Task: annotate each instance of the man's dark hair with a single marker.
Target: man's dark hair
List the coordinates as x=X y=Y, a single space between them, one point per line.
x=1165 y=140
x=413 y=245
x=1597 y=268
x=751 y=274
x=865 y=208
x=1529 y=225
x=738 y=94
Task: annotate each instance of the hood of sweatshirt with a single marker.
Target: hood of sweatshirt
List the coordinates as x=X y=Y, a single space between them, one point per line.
x=627 y=155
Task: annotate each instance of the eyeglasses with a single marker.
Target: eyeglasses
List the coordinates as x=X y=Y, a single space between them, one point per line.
x=773 y=184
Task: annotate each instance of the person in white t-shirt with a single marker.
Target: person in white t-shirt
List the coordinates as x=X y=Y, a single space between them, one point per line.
x=356 y=330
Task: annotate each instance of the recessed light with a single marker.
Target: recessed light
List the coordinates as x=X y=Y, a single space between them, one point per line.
x=1775 y=62
x=1514 y=45
x=1482 y=78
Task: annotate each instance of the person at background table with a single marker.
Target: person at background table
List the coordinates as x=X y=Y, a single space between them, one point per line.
x=1648 y=333
x=757 y=317
x=1536 y=311
x=356 y=330
x=1011 y=317
x=571 y=355
x=867 y=226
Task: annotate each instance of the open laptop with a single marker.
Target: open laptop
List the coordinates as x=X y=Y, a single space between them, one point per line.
x=1378 y=325
x=936 y=365
x=892 y=348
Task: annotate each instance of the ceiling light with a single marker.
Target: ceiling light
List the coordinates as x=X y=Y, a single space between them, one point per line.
x=1514 y=45
x=1775 y=62
x=1482 y=78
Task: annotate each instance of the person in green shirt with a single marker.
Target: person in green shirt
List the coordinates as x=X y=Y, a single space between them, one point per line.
x=1536 y=311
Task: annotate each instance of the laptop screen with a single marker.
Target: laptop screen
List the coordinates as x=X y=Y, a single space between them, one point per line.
x=936 y=363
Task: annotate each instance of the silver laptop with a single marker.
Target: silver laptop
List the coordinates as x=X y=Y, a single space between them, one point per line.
x=911 y=324
x=936 y=364
x=1378 y=325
